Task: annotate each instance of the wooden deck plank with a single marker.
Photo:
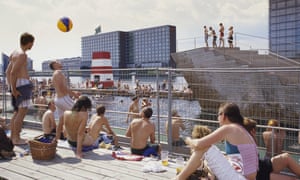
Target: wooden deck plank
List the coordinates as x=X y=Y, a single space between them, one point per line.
x=24 y=171
x=96 y=164
x=7 y=174
x=37 y=166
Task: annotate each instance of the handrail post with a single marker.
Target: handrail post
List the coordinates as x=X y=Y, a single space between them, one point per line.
x=272 y=142
x=157 y=104
x=169 y=110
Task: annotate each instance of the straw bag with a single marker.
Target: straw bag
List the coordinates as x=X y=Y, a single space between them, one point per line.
x=41 y=150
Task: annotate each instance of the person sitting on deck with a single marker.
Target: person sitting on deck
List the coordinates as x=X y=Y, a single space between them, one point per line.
x=232 y=131
x=96 y=125
x=48 y=120
x=277 y=136
x=216 y=161
x=41 y=103
x=139 y=131
x=275 y=164
x=75 y=122
x=177 y=124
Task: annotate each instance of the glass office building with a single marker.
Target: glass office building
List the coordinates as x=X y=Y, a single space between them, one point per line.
x=73 y=63
x=149 y=47
x=284 y=27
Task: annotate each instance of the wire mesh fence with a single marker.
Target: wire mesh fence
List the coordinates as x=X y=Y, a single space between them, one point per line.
x=261 y=93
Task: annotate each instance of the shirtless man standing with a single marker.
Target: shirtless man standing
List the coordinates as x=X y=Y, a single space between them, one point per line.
x=75 y=122
x=139 y=131
x=49 y=125
x=63 y=100
x=20 y=85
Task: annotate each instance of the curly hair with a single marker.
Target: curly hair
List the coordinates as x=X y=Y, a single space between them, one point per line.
x=200 y=131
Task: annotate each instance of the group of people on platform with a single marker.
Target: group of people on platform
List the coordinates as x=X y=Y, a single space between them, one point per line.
x=237 y=132
x=211 y=32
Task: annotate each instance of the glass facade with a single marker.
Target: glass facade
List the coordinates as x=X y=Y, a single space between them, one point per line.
x=150 y=47
x=284 y=27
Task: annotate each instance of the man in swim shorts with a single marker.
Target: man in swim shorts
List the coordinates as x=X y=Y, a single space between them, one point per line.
x=100 y=123
x=63 y=99
x=75 y=121
x=139 y=131
x=20 y=85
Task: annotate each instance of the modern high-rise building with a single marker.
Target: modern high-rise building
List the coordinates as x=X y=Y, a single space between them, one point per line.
x=149 y=47
x=67 y=63
x=284 y=27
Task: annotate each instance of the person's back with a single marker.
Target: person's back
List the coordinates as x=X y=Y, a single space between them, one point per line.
x=277 y=136
x=95 y=126
x=75 y=122
x=177 y=125
x=98 y=121
x=72 y=122
x=276 y=146
x=141 y=131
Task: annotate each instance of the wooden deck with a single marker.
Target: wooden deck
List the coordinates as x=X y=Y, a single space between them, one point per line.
x=96 y=164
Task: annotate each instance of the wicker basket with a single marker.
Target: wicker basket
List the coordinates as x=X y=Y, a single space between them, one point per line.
x=42 y=151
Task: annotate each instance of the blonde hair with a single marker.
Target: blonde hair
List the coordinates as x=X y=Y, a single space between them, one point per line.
x=273 y=122
x=200 y=131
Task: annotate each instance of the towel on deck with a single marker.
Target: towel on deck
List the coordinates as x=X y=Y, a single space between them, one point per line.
x=122 y=155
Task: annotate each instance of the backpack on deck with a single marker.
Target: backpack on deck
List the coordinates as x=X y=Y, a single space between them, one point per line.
x=6 y=145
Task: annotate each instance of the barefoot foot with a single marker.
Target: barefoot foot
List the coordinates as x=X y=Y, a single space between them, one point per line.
x=19 y=141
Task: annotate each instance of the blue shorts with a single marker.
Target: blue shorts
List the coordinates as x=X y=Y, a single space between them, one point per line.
x=150 y=149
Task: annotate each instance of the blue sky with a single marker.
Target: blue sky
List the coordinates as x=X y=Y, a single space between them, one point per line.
x=39 y=17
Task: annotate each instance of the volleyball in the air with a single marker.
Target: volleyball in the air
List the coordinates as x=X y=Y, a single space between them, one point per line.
x=64 y=24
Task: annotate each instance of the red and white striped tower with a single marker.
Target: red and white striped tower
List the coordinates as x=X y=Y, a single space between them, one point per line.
x=101 y=70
